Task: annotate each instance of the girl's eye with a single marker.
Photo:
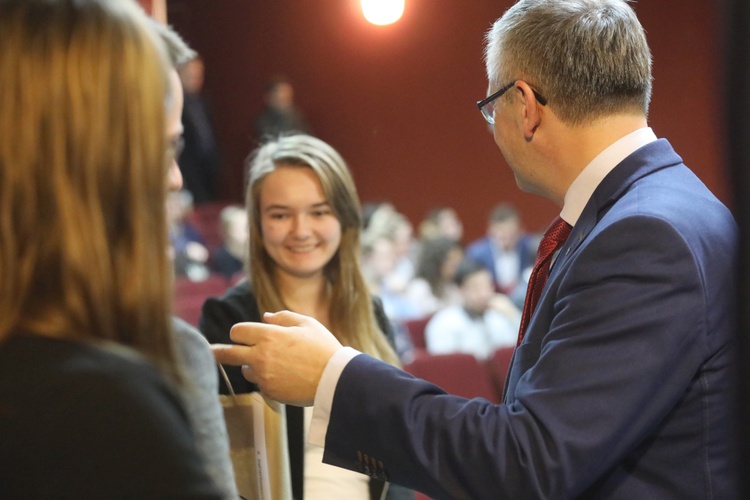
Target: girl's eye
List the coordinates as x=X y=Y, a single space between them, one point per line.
x=321 y=210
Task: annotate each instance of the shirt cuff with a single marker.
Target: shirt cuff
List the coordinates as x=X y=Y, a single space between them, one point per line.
x=324 y=394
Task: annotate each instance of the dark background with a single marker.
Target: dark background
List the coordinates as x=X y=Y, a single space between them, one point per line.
x=737 y=106
x=398 y=101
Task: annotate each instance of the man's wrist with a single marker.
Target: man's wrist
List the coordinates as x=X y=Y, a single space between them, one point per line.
x=324 y=394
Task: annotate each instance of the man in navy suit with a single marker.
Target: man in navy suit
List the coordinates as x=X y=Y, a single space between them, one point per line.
x=622 y=386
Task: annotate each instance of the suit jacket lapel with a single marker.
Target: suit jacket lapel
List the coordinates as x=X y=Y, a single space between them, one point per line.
x=642 y=162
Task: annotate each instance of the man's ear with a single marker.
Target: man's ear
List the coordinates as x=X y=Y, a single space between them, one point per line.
x=532 y=112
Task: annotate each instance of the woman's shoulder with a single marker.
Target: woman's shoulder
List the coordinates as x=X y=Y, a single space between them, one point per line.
x=85 y=369
x=241 y=292
x=238 y=302
x=68 y=378
x=111 y=395
x=72 y=358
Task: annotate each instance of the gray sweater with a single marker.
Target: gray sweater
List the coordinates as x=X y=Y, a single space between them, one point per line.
x=201 y=401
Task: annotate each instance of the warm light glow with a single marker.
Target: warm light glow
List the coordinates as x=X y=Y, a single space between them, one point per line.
x=382 y=12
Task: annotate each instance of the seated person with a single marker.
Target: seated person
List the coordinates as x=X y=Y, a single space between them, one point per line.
x=506 y=251
x=188 y=246
x=387 y=222
x=484 y=322
x=433 y=287
x=379 y=260
x=229 y=259
x=441 y=221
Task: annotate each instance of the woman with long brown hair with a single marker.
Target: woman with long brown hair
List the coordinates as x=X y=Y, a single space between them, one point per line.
x=87 y=365
x=304 y=254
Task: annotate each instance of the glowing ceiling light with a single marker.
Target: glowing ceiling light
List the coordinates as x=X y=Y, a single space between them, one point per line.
x=382 y=12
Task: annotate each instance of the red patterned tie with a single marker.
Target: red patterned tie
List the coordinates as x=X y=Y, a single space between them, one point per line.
x=553 y=239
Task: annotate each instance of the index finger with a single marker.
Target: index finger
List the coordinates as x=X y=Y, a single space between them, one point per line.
x=248 y=332
x=235 y=355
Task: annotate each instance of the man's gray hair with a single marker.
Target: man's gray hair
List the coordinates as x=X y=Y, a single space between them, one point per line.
x=589 y=58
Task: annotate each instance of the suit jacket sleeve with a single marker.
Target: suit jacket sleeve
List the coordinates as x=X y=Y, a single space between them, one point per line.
x=619 y=335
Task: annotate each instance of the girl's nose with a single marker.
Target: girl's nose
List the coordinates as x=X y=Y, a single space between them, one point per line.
x=301 y=227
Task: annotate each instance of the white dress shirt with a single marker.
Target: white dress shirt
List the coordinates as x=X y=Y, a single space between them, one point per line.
x=453 y=330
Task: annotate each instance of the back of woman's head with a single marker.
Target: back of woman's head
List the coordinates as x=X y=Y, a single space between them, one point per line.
x=83 y=173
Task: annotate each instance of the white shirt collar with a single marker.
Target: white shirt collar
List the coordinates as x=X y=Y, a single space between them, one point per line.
x=583 y=187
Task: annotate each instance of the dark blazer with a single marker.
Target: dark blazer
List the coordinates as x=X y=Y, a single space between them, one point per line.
x=622 y=387
x=237 y=305
x=200 y=159
x=93 y=419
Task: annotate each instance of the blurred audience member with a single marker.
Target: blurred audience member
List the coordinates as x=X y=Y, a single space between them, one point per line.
x=483 y=322
x=229 y=259
x=506 y=251
x=200 y=157
x=188 y=247
x=379 y=259
x=368 y=209
x=378 y=262
x=280 y=115
x=387 y=222
x=441 y=221
x=433 y=287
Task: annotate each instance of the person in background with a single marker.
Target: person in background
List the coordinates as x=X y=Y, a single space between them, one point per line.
x=379 y=261
x=280 y=115
x=483 y=322
x=623 y=382
x=229 y=259
x=189 y=252
x=88 y=369
x=433 y=288
x=387 y=223
x=304 y=220
x=506 y=251
x=441 y=222
x=200 y=158
x=198 y=393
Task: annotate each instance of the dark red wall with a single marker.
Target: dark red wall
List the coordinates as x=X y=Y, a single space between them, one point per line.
x=399 y=101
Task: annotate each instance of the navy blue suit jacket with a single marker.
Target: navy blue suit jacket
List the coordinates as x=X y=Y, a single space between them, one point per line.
x=622 y=387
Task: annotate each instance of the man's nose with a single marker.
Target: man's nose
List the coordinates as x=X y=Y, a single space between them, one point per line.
x=174 y=177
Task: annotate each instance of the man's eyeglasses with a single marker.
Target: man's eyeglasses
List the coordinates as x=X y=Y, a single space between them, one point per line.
x=487 y=107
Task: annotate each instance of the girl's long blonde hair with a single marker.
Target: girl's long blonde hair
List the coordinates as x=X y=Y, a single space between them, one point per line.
x=83 y=174
x=351 y=310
